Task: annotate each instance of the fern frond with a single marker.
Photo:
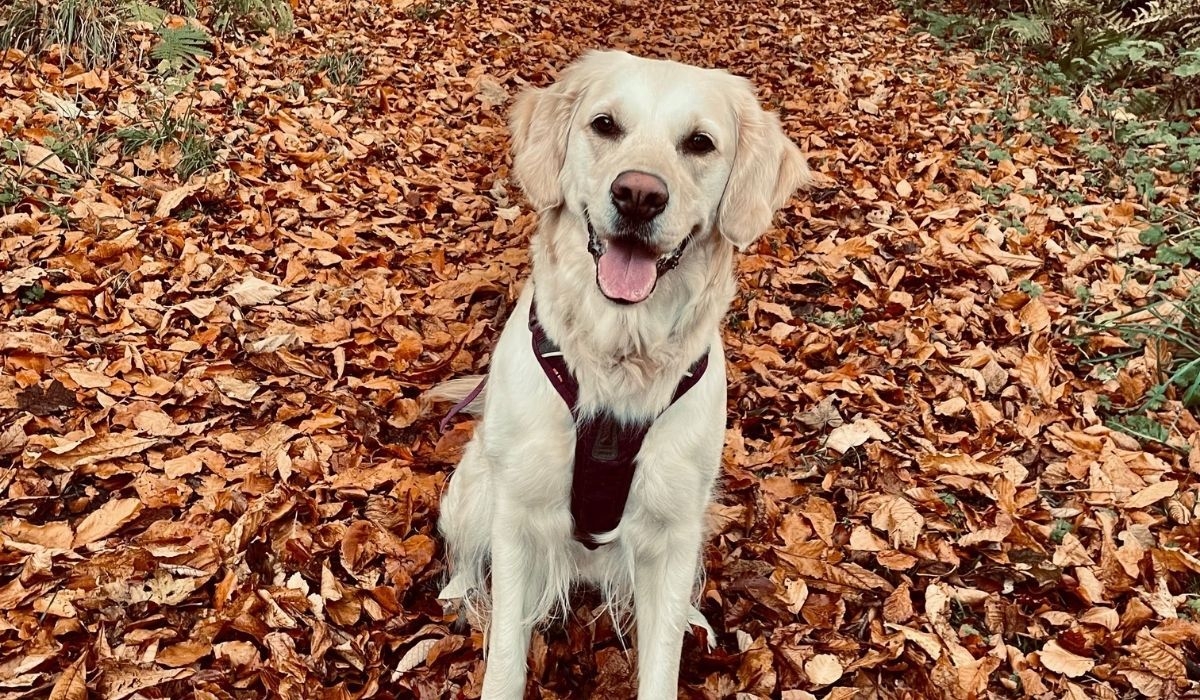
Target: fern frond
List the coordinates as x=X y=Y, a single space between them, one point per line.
x=1026 y=30
x=182 y=45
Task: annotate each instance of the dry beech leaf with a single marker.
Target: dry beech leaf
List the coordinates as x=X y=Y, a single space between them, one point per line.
x=13 y=437
x=900 y=520
x=996 y=533
x=957 y=464
x=924 y=640
x=99 y=449
x=1059 y=660
x=172 y=199
x=36 y=156
x=823 y=669
x=822 y=415
x=414 y=657
x=1035 y=315
x=251 y=291
x=898 y=607
x=951 y=407
x=24 y=277
x=850 y=435
x=72 y=683
x=1151 y=494
x=105 y=520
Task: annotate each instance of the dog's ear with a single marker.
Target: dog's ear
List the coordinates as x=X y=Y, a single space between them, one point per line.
x=539 y=121
x=767 y=169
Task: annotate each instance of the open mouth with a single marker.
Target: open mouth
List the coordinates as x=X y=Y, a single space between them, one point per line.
x=627 y=269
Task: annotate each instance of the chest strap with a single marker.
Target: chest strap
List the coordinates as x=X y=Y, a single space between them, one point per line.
x=605 y=449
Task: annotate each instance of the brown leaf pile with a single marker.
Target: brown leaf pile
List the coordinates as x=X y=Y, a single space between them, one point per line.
x=216 y=482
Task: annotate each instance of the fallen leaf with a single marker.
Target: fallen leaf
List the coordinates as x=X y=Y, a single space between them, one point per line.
x=823 y=669
x=99 y=449
x=850 y=435
x=251 y=291
x=900 y=520
x=1151 y=494
x=170 y=200
x=1059 y=660
x=71 y=683
x=106 y=520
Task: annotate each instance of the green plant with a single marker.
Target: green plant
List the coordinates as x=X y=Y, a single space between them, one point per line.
x=180 y=47
x=75 y=147
x=196 y=155
x=12 y=192
x=188 y=134
x=1026 y=30
x=1170 y=329
x=89 y=29
x=89 y=25
x=427 y=11
x=940 y=25
x=836 y=319
x=19 y=26
x=158 y=132
x=240 y=16
x=341 y=68
x=1033 y=289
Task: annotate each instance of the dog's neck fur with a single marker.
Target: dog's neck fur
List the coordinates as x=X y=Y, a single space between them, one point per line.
x=628 y=359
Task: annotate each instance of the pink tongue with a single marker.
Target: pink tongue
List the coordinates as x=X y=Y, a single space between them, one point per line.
x=626 y=271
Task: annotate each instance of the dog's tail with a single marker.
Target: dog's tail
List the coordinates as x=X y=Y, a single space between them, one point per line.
x=467 y=391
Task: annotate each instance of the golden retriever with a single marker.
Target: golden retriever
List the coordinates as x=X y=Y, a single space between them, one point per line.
x=647 y=174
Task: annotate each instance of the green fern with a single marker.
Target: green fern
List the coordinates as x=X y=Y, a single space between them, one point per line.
x=138 y=11
x=181 y=46
x=1026 y=30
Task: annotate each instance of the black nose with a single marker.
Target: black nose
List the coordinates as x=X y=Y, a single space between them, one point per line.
x=639 y=196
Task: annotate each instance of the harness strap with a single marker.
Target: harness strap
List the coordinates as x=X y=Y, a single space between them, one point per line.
x=605 y=449
x=454 y=410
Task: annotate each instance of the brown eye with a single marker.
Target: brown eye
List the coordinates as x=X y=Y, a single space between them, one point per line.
x=699 y=144
x=605 y=126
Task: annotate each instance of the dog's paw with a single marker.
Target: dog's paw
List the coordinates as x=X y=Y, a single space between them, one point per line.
x=697 y=619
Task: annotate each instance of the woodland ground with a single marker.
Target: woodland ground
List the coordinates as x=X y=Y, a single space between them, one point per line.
x=215 y=480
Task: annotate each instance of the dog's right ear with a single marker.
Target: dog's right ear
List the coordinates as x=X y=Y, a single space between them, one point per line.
x=539 y=121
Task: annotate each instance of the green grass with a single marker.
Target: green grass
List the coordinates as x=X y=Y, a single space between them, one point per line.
x=196 y=155
x=77 y=148
x=341 y=67
x=90 y=27
x=1166 y=329
x=197 y=151
x=12 y=192
x=253 y=16
x=95 y=31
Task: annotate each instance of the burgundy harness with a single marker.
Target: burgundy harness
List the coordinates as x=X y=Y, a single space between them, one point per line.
x=605 y=449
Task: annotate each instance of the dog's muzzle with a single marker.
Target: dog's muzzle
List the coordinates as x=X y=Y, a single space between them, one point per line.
x=627 y=268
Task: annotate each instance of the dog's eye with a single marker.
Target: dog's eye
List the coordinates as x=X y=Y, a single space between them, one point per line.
x=699 y=144
x=604 y=125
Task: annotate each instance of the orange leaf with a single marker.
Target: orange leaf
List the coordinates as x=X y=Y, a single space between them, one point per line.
x=72 y=683
x=109 y=518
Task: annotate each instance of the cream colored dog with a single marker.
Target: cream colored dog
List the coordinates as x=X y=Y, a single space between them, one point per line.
x=647 y=174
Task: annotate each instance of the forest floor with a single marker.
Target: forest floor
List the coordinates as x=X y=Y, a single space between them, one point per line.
x=216 y=479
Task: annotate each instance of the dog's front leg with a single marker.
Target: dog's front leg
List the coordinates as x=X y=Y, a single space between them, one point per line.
x=663 y=578
x=510 y=627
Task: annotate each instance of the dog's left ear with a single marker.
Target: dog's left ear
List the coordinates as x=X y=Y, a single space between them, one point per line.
x=767 y=169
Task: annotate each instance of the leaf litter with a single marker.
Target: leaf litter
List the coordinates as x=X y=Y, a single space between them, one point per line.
x=215 y=474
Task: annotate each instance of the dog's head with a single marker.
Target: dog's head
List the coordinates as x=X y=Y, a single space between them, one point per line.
x=651 y=155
